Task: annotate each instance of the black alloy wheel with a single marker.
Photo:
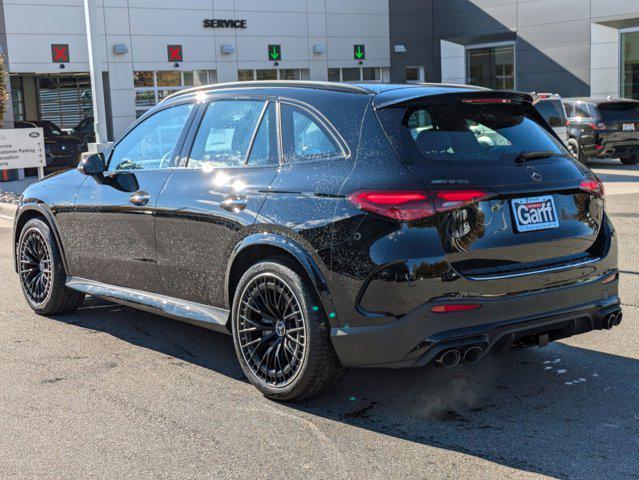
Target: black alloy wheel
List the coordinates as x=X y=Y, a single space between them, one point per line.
x=35 y=266
x=271 y=331
x=41 y=271
x=281 y=333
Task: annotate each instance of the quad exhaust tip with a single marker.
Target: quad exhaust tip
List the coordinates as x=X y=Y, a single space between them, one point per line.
x=473 y=354
x=612 y=320
x=449 y=358
x=618 y=319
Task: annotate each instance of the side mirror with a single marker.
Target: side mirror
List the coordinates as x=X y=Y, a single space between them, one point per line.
x=92 y=165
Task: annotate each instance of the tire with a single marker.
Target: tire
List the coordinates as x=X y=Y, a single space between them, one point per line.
x=43 y=288
x=632 y=160
x=263 y=316
x=575 y=149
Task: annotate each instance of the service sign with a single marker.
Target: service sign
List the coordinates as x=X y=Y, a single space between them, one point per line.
x=22 y=148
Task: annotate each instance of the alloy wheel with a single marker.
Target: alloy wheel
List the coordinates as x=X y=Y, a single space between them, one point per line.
x=271 y=330
x=35 y=266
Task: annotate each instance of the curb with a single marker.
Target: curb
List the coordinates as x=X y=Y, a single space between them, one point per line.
x=8 y=209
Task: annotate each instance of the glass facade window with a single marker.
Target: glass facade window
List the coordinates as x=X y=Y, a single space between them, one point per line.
x=630 y=65
x=491 y=67
x=355 y=74
x=415 y=74
x=273 y=74
x=153 y=86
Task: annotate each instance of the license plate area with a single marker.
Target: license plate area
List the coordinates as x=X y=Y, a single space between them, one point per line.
x=628 y=127
x=534 y=213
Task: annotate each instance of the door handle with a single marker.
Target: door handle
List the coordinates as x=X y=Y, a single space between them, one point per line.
x=140 y=198
x=234 y=203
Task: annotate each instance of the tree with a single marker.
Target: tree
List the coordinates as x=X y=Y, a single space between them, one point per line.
x=4 y=96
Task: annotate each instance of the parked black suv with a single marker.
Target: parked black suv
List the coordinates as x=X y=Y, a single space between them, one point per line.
x=603 y=128
x=327 y=226
x=62 y=150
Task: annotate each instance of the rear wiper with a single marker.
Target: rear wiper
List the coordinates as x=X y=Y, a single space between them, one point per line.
x=534 y=155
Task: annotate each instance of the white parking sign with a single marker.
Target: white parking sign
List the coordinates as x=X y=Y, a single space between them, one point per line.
x=22 y=148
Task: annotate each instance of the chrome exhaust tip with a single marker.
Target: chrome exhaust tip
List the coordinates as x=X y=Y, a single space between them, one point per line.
x=473 y=354
x=609 y=321
x=449 y=358
x=618 y=319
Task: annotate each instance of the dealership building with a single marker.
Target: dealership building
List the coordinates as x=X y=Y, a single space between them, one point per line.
x=146 y=49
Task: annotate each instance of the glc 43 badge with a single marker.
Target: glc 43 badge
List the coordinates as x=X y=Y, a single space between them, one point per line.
x=534 y=213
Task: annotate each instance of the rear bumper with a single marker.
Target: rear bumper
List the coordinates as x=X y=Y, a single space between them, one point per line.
x=500 y=323
x=612 y=148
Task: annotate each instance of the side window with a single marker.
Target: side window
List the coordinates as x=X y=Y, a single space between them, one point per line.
x=150 y=145
x=304 y=137
x=225 y=133
x=264 y=149
x=582 y=110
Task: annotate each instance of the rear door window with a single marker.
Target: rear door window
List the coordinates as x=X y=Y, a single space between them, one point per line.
x=225 y=133
x=466 y=132
x=305 y=138
x=619 y=112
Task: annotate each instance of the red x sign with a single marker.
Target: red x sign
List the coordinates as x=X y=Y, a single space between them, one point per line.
x=175 y=53
x=60 y=53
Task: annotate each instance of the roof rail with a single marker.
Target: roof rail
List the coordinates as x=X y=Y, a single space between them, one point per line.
x=333 y=86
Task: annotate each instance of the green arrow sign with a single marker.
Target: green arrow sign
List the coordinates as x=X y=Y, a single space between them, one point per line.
x=359 y=52
x=274 y=52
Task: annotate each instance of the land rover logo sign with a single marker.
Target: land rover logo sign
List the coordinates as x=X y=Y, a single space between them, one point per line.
x=220 y=23
x=34 y=134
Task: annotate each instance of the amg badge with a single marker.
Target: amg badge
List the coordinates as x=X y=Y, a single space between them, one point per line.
x=534 y=213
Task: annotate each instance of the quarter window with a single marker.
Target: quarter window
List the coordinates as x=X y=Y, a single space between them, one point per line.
x=304 y=137
x=225 y=133
x=150 y=144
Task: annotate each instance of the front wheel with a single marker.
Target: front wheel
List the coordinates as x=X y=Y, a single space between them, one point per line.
x=282 y=335
x=41 y=271
x=631 y=160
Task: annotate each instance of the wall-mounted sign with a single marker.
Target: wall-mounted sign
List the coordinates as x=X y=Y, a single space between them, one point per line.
x=221 y=23
x=275 y=53
x=60 y=53
x=174 y=52
x=359 y=52
x=22 y=148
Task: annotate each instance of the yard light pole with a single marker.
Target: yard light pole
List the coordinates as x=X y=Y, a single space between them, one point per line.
x=95 y=71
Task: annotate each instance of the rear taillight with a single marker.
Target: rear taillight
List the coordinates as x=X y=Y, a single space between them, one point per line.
x=592 y=186
x=407 y=206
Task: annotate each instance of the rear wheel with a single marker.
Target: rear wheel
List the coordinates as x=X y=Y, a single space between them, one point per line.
x=575 y=149
x=41 y=271
x=281 y=334
x=631 y=160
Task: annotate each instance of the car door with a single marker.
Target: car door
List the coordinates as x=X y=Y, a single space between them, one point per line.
x=208 y=205
x=115 y=210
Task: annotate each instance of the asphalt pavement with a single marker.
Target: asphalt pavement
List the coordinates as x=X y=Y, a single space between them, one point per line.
x=110 y=392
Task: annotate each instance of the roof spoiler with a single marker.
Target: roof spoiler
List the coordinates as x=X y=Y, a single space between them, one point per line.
x=490 y=96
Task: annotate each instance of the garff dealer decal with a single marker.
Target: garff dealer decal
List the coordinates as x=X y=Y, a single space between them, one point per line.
x=534 y=213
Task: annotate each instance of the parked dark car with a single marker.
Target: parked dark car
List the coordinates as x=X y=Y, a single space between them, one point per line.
x=550 y=106
x=85 y=130
x=603 y=128
x=328 y=226
x=62 y=150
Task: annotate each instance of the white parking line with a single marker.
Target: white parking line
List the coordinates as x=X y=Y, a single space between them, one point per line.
x=6 y=216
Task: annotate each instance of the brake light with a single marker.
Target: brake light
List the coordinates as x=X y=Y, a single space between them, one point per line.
x=486 y=100
x=407 y=206
x=456 y=307
x=592 y=186
x=398 y=205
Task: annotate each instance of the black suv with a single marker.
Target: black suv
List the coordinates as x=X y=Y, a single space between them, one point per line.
x=328 y=226
x=603 y=128
x=62 y=150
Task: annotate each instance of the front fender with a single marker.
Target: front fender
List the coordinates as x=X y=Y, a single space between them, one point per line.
x=30 y=208
x=303 y=257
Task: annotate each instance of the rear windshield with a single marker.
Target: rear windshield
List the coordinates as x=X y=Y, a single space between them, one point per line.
x=611 y=112
x=466 y=132
x=553 y=112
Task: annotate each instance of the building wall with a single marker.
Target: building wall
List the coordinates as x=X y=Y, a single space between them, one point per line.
x=570 y=47
x=148 y=26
